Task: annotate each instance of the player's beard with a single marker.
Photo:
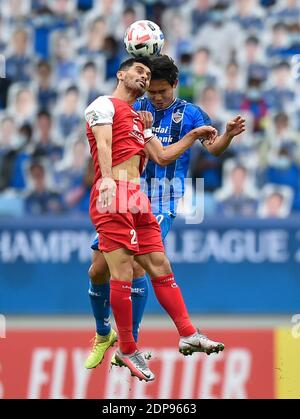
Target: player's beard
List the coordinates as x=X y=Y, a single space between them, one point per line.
x=134 y=86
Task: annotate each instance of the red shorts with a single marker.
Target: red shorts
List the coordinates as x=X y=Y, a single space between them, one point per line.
x=128 y=222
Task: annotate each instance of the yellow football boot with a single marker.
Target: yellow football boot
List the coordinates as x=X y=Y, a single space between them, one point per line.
x=100 y=345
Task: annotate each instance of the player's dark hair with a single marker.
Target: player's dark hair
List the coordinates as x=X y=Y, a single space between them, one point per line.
x=164 y=68
x=129 y=63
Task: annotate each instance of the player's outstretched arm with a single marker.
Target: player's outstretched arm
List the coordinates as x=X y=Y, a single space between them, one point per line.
x=234 y=127
x=103 y=136
x=166 y=155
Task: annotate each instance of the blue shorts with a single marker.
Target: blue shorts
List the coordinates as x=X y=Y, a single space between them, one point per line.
x=165 y=222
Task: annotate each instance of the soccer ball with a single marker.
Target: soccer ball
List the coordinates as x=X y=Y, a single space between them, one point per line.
x=143 y=38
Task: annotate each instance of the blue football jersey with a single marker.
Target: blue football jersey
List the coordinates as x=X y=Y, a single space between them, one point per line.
x=165 y=185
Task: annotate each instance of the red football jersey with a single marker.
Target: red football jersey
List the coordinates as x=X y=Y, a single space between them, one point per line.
x=127 y=130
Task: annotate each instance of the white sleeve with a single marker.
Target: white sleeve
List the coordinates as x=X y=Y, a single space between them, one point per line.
x=100 y=112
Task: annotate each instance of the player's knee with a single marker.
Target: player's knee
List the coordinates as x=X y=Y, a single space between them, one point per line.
x=122 y=268
x=123 y=273
x=164 y=264
x=160 y=265
x=91 y=273
x=97 y=275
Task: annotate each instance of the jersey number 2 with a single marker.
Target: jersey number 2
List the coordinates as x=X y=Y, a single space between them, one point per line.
x=133 y=238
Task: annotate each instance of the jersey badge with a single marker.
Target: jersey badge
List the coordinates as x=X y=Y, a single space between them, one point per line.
x=177 y=116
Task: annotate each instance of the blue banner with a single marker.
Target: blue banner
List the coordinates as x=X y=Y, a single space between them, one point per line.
x=222 y=266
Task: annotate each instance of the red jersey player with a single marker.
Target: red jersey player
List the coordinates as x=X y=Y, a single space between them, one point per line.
x=122 y=215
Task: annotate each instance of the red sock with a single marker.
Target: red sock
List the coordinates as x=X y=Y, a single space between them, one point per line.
x=170 y=298
x=120 y=300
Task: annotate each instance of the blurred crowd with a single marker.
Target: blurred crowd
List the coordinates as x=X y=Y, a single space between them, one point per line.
x=235 y=57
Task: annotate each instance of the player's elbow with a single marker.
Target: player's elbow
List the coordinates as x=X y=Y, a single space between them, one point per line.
x=159 y=158
x=215 y=151
x=163 y=161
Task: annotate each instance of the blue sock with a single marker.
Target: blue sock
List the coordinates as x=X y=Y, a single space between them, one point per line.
x=99 y=296
x=139 y=297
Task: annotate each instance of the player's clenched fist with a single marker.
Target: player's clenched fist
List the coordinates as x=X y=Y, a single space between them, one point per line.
x=107 y=191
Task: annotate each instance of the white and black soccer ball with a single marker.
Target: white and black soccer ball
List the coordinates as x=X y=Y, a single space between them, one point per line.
x=143 y=38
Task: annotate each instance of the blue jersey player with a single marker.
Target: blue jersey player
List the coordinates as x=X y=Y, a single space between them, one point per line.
x=172 y=119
